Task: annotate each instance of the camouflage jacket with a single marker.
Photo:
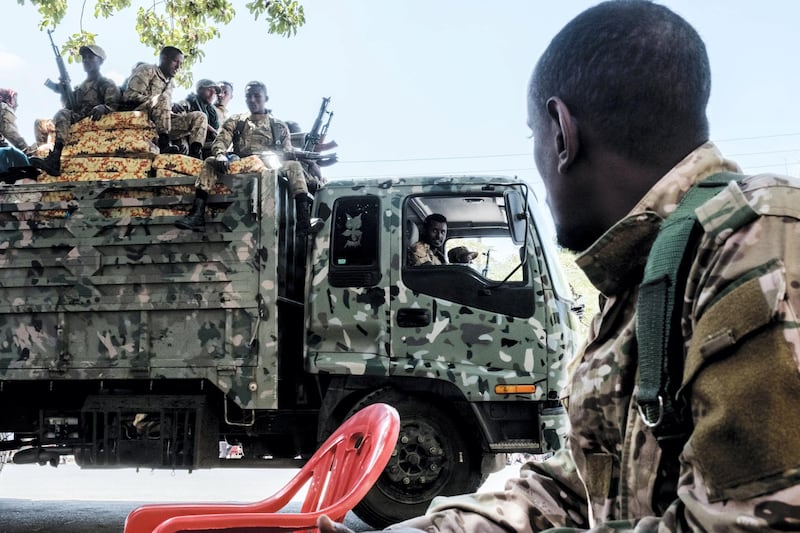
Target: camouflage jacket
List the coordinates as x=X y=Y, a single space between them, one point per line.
x=740 y=468
x=95 y=92
x=8 y=127
x=421 y=253
x=145 y=83
x=251 y=134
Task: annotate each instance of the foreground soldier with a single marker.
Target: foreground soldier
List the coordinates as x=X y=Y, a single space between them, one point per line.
x=617 y=108
x=95 y=97
x=149 y=89
x=251 y=134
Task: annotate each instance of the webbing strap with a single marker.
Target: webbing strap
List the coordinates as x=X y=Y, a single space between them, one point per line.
x=658 y=329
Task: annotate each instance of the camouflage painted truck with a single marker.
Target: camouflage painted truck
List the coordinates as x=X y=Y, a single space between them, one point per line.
x=127 y=342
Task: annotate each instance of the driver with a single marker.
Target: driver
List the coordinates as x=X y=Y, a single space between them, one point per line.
x=429 y=250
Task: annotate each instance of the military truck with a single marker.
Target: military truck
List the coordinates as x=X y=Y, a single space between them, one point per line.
x=128 y=342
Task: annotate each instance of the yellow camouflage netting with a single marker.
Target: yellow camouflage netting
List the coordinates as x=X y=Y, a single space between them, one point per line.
x=176 y=165
x=91 y=176
x=120 y=143
x=120 y=120
x=140 y=167
x=118 y=146
x=248 y=164
x=168 y=165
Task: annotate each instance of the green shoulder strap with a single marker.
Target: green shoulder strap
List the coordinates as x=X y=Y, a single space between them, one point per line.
x=658 y=328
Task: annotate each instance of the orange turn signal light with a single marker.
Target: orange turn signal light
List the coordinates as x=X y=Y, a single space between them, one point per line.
x=514 y=389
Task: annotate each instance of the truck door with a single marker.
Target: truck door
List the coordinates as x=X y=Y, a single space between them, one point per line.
x=348 y=295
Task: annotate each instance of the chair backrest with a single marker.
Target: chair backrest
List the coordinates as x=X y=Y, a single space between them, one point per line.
x=338 y=476
x=344 y=468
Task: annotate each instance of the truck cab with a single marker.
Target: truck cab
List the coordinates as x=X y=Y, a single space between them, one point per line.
x=471 y=354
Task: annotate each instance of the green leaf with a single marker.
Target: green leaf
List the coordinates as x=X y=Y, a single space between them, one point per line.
x=187 y=24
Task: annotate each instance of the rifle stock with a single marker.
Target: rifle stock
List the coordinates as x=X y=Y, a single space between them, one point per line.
x=64 y=85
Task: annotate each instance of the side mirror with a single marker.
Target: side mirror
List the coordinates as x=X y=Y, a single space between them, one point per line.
x=517 y=216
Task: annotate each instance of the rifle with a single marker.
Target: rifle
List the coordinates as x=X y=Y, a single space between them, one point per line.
x=325 y=127
x=313 y=136
x=63 y=87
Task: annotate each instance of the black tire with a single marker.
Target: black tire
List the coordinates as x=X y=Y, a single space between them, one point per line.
x=5 y=456
x=433 y=457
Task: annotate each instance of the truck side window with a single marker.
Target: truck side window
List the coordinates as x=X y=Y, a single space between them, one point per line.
x=354 y=250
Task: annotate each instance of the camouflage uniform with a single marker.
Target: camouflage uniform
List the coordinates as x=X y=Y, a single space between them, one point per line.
x=222 y=112
x=739 y=469
x=8 y=128
x=149 y=90
x=421 y=253
x=88 y=94
x=254 y=138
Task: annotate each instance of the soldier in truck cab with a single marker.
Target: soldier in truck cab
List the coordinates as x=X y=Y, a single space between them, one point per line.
x=429 y=250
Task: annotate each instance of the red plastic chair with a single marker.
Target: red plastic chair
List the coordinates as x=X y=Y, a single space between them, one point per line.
x=338 y=475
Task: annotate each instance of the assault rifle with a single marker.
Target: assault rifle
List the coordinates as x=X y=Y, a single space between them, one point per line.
x=63 y=87
x=313 y=137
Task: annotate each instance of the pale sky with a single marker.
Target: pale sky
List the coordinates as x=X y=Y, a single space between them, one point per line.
x=438 y=86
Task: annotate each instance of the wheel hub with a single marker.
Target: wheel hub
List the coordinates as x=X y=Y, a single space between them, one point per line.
x=418 y=459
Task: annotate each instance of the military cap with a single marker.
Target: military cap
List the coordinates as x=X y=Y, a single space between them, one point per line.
x=255 y=84
x=460 y=254
x=94 y=49
x=202 y=84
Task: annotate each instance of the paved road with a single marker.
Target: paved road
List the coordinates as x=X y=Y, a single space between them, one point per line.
x=43 y=499
x=76 y=516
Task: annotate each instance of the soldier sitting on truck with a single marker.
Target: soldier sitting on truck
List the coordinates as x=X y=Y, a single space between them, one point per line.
x=203 y=101
x=224 y=95
x=8 y=122
x=95 y=97
x=149 y=89
x=429 y=250
x=251 y=134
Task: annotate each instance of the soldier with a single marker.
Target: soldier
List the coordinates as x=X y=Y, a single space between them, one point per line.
x=461 y=255
x=8 y=122
x=149 y=89
x=429 y=250
x=203 y=101
x=95 y=97
x=224 y=96
x=617 y=106
x=311 y=167
x=251 y=134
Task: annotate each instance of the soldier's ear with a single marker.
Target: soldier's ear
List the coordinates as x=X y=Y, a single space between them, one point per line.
x=567 y=138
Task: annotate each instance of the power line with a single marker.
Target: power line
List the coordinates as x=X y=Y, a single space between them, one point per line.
x=528 y=154
x=473 y=172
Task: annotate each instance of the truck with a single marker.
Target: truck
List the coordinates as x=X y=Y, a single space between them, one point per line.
x=127 y=342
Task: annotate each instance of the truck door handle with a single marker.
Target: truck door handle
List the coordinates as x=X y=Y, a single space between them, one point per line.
x=409 y=317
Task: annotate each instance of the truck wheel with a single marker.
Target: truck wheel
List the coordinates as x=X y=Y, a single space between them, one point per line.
x=432 y=458
x=5 y=456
